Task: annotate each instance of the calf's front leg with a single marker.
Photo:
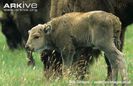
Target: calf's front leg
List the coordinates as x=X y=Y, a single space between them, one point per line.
x=67 y=59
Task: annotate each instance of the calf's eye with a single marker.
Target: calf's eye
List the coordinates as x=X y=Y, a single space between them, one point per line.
x=36 y=37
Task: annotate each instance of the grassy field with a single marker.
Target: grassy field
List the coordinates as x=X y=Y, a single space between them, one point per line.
x=15 y=72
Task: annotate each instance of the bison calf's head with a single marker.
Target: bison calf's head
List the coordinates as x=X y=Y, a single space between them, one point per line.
x=38 y=37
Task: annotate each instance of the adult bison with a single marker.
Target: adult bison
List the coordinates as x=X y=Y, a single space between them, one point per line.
x=24 y=20
x=16 y=25
x=121 y=8
x=9 y=27
x=10 y=30
x=99 y=30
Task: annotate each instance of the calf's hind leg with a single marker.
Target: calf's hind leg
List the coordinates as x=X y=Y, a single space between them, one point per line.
x=109 y=69
x=116 y=60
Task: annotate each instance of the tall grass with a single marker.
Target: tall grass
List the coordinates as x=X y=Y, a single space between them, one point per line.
x=15 y=72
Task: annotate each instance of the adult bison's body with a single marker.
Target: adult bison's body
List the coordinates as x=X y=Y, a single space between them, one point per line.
x=96 y=29
x=122 y=9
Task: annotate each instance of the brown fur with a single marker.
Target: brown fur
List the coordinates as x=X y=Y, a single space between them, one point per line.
x=121 y=8
x=96 y=29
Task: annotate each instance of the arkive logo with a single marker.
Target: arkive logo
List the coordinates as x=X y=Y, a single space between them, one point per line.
x=20 y=6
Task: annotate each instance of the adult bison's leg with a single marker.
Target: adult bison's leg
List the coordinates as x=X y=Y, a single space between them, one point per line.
x=52 y=62
x=83 y=58
x=122 y=37
x=80 y=63
x=31 y=61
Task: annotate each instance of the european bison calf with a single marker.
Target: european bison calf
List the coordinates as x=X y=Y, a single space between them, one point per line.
x=96 y=29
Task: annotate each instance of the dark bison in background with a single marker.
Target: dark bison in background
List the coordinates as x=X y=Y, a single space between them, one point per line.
x=9 y=29
x=24 y=20
x=17 y=23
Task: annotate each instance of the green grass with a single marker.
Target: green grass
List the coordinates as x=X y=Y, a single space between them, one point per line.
x=15 y=72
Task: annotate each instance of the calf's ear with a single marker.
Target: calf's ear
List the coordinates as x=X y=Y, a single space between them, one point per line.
x=48 y=29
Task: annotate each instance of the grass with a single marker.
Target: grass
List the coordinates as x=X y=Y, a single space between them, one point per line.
x=15 y=72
